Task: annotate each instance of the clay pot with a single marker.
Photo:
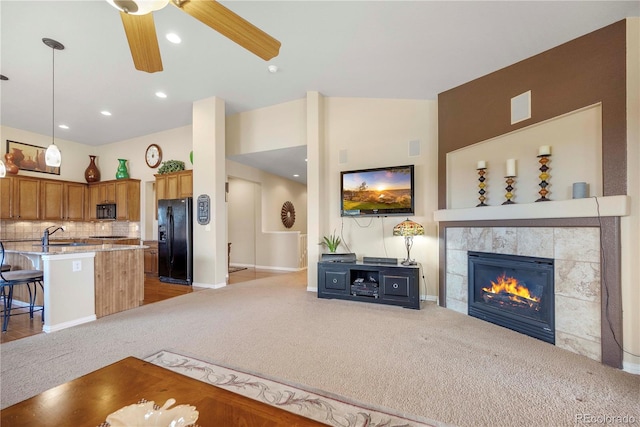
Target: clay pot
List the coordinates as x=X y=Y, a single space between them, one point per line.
x=9 y=165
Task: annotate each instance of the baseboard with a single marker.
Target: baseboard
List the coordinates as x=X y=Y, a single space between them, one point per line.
x=312 y=288
x=632 y=368
x=433 y=298
x=209 y=285
x=269 y=267
x=65 y=325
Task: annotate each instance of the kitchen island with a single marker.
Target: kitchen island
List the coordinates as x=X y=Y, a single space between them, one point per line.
x=81 y=282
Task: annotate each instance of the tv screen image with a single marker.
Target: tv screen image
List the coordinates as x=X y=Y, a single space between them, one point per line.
x=378 y=192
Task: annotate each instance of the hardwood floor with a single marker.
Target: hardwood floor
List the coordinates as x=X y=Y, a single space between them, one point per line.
x=22 y=326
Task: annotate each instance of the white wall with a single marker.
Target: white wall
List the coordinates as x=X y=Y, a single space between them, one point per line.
x=630 y=226
x=376 y=133
x=269 y=128
x=574 y=135
x=75 y=156
x=241 y=214
x=275 y=245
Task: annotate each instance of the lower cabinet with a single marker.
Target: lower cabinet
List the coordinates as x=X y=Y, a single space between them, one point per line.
x=377 y=283
x=151 y=258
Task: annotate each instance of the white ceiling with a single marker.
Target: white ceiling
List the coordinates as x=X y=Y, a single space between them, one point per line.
x=375 y=49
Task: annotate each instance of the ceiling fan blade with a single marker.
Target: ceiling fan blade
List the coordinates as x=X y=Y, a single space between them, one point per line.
x=143 y=43
x=232 y=26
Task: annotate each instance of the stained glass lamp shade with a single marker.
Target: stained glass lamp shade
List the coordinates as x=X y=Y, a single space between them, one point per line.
x=408 y=229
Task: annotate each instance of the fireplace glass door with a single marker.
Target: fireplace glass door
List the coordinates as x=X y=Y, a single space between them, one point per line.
x=513 y=291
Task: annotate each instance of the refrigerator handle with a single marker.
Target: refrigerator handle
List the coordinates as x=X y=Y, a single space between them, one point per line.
x=170 y=233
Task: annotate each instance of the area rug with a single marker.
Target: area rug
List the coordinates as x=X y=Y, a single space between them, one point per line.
x=320 y=406
x=234 y=269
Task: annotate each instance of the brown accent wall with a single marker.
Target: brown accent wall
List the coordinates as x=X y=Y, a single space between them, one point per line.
x=579 y=73
x=585 y=71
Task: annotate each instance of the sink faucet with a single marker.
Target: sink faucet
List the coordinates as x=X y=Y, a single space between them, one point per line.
x=47 y=233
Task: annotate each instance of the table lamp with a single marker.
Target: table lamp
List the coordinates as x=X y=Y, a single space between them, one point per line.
x=408 y=229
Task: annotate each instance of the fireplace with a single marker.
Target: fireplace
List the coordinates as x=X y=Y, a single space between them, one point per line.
x=513 y=291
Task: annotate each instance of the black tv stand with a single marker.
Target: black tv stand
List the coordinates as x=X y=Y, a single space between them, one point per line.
x=378 y=283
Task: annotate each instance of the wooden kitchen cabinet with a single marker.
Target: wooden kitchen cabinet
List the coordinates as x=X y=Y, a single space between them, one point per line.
x=6 y=196
x=62 y=200
x=128 y=199
x=125 y=193
x=176 y=185
x=20 y=198
x=151 y=258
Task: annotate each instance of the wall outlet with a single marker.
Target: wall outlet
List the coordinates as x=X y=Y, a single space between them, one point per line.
x=137 y=227
x=76 y=265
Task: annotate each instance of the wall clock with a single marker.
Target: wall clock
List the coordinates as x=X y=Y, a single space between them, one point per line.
x=288 y=214
x=153 y=156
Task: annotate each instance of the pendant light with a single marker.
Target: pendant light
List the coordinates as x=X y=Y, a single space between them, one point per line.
x=3 y=168
x=52 y=156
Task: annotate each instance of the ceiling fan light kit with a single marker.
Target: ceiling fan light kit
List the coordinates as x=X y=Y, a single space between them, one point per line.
x=140 y=29
x=53 y=157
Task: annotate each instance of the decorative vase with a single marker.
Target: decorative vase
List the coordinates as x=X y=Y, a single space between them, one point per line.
x=18 y=155
x=9 y=165
x=122 y=172
x=92 y=174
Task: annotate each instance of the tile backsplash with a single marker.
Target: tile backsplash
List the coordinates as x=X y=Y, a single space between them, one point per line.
x=10 y=230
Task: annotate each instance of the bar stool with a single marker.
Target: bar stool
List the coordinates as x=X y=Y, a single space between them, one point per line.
x=10 y=279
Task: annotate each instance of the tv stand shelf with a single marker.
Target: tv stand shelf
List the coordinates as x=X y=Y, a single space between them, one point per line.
x=378 y=283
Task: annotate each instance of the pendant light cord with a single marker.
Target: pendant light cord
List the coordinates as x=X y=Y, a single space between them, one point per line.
x=53 y=96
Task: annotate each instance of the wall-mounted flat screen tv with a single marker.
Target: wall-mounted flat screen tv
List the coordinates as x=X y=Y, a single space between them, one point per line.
x=377 y=192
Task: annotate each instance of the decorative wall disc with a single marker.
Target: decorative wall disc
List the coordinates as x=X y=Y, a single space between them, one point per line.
x=288 y=214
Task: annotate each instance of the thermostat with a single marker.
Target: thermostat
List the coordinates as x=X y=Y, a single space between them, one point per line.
x=204 y=209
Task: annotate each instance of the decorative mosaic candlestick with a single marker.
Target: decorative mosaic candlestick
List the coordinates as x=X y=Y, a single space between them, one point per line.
x=544 y=176
x=509 y=194
x=482 y=186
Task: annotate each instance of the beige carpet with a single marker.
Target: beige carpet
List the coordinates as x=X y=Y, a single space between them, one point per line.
x=433 y=363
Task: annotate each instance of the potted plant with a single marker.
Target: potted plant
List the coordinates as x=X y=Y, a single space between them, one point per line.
x=171 y=166
x=332 y=242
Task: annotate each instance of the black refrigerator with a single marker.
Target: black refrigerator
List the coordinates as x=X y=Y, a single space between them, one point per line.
x=175 y=240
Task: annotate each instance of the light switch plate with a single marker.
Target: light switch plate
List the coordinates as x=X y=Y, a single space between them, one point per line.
x=76 y=265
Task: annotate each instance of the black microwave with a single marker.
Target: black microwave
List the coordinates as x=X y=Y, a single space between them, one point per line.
x=106 y=211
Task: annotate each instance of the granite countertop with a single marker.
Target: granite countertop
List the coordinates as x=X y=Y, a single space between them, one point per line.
x=36 y=249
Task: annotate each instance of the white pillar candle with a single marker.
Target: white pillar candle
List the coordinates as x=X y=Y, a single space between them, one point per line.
x=511 y=167
x=544 y=150
x=481 y=164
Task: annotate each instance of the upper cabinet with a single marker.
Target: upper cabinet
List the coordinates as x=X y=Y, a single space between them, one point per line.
x=28 y=198
x=176 y=185
x=128 y=199
x=62 y=200
x=20 y=198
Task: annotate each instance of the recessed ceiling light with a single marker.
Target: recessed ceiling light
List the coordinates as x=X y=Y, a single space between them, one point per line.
x=173 y=38
x=63 y=127
x=306 y=160
x=272 y=68
x=161 y=94
x=296 y=175
x=105 y=113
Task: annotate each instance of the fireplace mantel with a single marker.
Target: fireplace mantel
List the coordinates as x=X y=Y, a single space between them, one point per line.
x=573 y=208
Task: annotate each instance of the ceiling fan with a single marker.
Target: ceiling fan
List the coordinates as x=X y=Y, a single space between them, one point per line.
x=139 y=27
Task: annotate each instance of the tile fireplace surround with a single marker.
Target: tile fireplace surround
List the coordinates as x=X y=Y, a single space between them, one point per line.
x=576 y=234
x=576 y=252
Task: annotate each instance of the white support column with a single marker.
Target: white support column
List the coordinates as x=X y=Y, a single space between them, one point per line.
x=316 y=197
x=209 y=176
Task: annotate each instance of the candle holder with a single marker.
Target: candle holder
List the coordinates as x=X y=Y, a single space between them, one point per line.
x=482 y=185
x=543 y=159
x=509 y=194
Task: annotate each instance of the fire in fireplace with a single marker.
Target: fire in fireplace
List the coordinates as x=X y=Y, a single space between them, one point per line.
x=513 y=291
